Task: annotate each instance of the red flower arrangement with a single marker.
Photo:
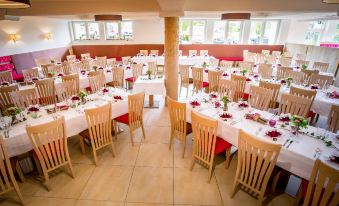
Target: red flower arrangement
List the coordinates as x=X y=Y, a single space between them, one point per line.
x=217 y=104
x=248 y=80
x=117 y=97
x=314 y=87
x=213 y=95
x=206 y=70
x=256 y=76
x=284 y=119
x=33 y=109
x=225 y=115
x=75 y=98
x=243 y=105
x=195 y=104
x=273 y=133
x=225 y=75
x=105 y=90
x=128 y=67
x=283 y=81
x=60 y=75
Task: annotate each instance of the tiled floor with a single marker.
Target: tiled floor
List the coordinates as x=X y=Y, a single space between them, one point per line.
x=146 y=174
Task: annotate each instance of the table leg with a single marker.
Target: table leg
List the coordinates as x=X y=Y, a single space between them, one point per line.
x=151 y=100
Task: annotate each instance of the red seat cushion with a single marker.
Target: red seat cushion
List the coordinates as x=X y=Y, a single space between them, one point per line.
x=88 y=89
x=130 y=79
x=205 y=84
x=245 y=96
x=311 y=114
x=221 y=145
x=231 y=58
x=123 y=119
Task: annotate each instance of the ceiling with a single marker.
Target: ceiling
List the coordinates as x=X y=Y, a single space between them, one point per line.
x=135 y=9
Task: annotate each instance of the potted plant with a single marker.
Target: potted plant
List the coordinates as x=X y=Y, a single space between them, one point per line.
x=225 y=100
x=298 y=122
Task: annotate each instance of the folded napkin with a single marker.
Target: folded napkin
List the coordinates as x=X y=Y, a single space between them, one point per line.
x=334 y=95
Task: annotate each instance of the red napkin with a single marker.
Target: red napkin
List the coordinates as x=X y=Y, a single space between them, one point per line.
x=248 y=80
x=273 y=133
x=195 y=103
x=334 y=95
x=225 y=115
x=284 y=119
x=243 y=104
x=117 y=97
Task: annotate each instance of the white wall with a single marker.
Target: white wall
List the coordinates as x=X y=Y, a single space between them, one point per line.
x=144 y=32
x=31 y=30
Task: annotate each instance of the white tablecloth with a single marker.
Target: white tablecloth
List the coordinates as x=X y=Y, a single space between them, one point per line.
x=150 y=87
x=184 y=60
x=19 y=143
x=297 y=159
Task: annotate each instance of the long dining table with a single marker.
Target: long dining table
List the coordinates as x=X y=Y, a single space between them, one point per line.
x=297 y=157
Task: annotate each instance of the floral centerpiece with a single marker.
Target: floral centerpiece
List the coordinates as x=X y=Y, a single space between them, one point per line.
x=149 y=73
x=82 y=96
x=15 y=113
x=105 y=90
x=288 y=81
x=4 y=83
x=33 y=111
x=298 y=122
x=225 y=100
x=204 y=65
x=95 y=68
x=243 y=105
x=284 y=117
x=244 y=71
x=273 y=134
x=304 y=67
x=195 y=103
x=225 y=115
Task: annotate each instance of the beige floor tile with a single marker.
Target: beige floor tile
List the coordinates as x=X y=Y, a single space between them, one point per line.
x=38 y=201
x=108 y=183
x=97 y=203
x=155 y=155
x=283 y=199
x=157 y=134
x=144 y=204
x=151 y=185
x=76 y=154
x=158 y=117
x=125 y=136
x=191 y=187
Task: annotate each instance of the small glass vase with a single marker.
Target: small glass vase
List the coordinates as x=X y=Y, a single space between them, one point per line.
x=225 y=108
x=296 y=130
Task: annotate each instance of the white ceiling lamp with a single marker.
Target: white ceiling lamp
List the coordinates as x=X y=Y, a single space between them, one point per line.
x=14 y=4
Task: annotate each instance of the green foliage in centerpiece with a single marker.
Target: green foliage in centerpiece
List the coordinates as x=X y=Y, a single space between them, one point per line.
x=304 y=66
x=244 y=71
x=82 y=94
x=225 y=100
x=149 y=73
x=288 y=81
x=299 y=121
x=205 y=65
x=95 y=68
x=12 y=112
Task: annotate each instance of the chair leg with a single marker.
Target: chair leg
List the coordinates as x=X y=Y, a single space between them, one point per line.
x=17 y=190
x=38 y=166
x=113 y=149
x=46 y=183
x=95 y=157
x=210 y=170
x=19 y=171
x=275 y=182
x=131 y=136
x=192 y=163
x=260 y=200
x=171 y=141
x=143 y=131
x=82 y=145
x=235 y=188
x=228 y=158
x=184 y=147
x=298 y=197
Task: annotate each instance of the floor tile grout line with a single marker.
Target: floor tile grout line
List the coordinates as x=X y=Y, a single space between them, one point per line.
x=216 y=180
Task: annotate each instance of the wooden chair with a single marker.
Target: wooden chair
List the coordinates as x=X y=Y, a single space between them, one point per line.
x=203 y=53
x=72 y=77
x=227 y=88
x=321 y=66
x=295 y=105
x=256 y=161
x=247 y=65
x=134 y=117
x=95 y=73
x=270 y=59
x=240 y=91
x=281 y=72
x=321 y=80
x=97 y=82
x=261 y=58
x=137 y=71
x=93 y=64
x=54 y=59
x=308 y=73
x=297 y=76
x=265 y=71
x=152 y=66
x=226 y=65
x=275 y=88
x=184 y=77
x=66 y=67
x=71 y=58
x=102 y=61
x=287 y=54
x=300 y=56
x=56 y=69
x=85 y=56
x=46 y=91
x=76 y=67
x=99 y=132
x=118 y=77
x=5 y=98
x=322 y=187
x=213 y=80
x=24 y=98
x=49 y=141
x=285 y=61
x=260 y=97
x=111 y=62
x=192 y=53
x=85 y=64
x=333 y=119
x=179 y=127
x=7 y=180
x=6 y=76
x=154 y=53
x=65 y=90
x=198 y=79
x=266 y=52
x=303 y=92
x=126 y=60
x=206 y=143
x=276 y=53
x=214 y=62
x=45 y=69
x=29 y=74
x=143 y=52
x=299 y=63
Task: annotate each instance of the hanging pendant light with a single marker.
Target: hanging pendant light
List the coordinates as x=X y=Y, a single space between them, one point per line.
x=236 y=16
x=107 y=17
x=14 y=4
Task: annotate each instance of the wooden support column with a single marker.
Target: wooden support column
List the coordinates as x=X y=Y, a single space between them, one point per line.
x=171 y=56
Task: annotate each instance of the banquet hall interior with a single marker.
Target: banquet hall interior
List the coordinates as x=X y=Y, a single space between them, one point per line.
x=169 y=102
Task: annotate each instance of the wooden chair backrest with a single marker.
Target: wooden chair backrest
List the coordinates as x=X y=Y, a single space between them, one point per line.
x=144 y=52
x=281 y=71
x=276 y=53
x=5 y=98
x=322 y=188
x=154 y=52
x=308 y=73
x=267 y=52
x=226 y=64
x=97 y=82
x=303 y=92
x=137 y=70
x=177 y=112
x=57 y=69
x=295 y=105
x=102 y=61
x=214 y=62
x=184 y=73
x=265 y=71
x=192 y=53
x=6 y=76
x=203 y=52
x=46 y=91
x=256 y=161
x=213 y=80
x=247 y=65
x=72 y=77
x=204 y=135
x=333 y=119
x=300 y=62
x=100 y=125
x=135 y=110
x=71 y=58
x=85 y=64
x=66 y=68
x=321 y=80
x=30 y=73
x=285 y=61
x=49 y=143
x=299 y=56
x=65 y=90
x=24 y=98
x=321 y=66
x=75 y=67
x=275 y=88
x=125 y=60
x=270 y=59
x=118 y=76
x=227 y=88
x=241 y=82
x=111 y=62
x=297 y=76
x=152 y=66
x=85 y=56
x=198 y=78
x=260 y=97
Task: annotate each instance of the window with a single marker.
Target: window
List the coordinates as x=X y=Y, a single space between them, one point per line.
x=185 y=31
x=127 y=30
x=336 y=37
x=263 y=32
x=86 y=30
x=219 y=32
x=198 y=31
x=112 y=30
x=119 y=31
x=233 y=32
x=314 y=30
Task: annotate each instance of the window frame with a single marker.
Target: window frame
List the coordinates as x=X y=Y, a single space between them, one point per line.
x=262 y=33
x=190 y=36
x=314 y=30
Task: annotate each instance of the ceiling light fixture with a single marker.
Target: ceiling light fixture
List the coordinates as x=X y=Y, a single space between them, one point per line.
x=14 y=4
x=107 y=17
x=236 y=16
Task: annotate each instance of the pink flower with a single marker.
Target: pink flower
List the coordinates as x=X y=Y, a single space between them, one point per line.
x=105 y=90
x=225 y=115
x=117 y=97
x=243 y=105
x=273 y=133
x=217 y=104
x=248 y=80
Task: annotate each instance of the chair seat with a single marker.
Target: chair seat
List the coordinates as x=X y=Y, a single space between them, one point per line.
x=88 y=89
x=221 y=145
x=123 y=119
x=130 y=79
x=205 y=84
